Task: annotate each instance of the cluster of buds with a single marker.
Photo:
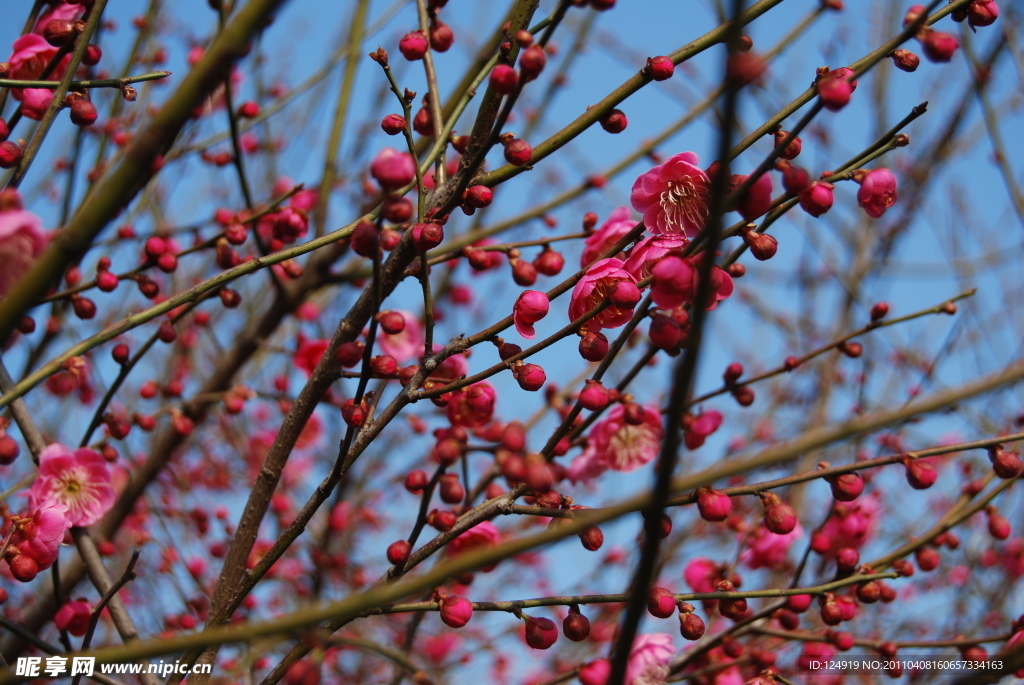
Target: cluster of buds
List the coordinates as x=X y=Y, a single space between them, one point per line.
x=743 y=394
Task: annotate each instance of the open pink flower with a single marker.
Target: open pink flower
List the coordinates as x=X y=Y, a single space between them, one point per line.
x=22 y=240
x=473 y=406
x=730 y=676
x=79 y=479
x=851 y=524
x=650 y=251
x=612 y=231
x=591 y=290
x=618 y=445
x=702 y=425
x=676 y=281
x=30 y=56
x=674 y=196
x=62 y=11
x=530 y=307
x=769 y=550
x=877 y=192
x=483 y=534
x=405 y=345
x=40 y=532
x=74 y=617
x=648 y=660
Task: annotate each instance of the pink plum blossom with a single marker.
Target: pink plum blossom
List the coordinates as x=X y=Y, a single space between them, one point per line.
x=702 y=425
x=41 y=531
x=64 y=11
x=22 y=240
x=674 y=197
x=676 y=281
x=770 y=550
x=851 y=523
x=483 y=534
x=406 y=344
x=79 y=479
x=648 y=660
x=591 y=290
x=650 y=251
x=611 y=231
x=730 y=676
x=618 y=445
x=30 y=56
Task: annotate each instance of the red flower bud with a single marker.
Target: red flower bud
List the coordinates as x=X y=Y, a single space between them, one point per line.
x=779 y=517
x=660 y=602
x=927 y=559
x=531 y=377
x=905 y=60
x=354 y=414
x=614 y=121
x=518 y=152
x=451 y=490
x=939 y=46
x=541 y=633
x=831 y=612
x=593 y=346
x=441 y=36
x=592 y=538
x=455 y=611
x=792 y=150
x=731 y=608
x=691 y=626
x=416 y=480
x=9 y=450
x=660 y=68
x=847 y=487
x=10 y=155
x=594 y=396
x=998 y=526
x=504 y=79
x=869 y=592
x=532 y=61
x=847 y=559
x=664 y=332
x=549 y=262
x=1006 y=465
x=83 y=112
x=398 y=552
x=427 y=236
x=713 y=505
x=351 y=353
x=576 y=626
x=413 y=45
x=393 y=124
x=391 y=322
x=920 y=474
